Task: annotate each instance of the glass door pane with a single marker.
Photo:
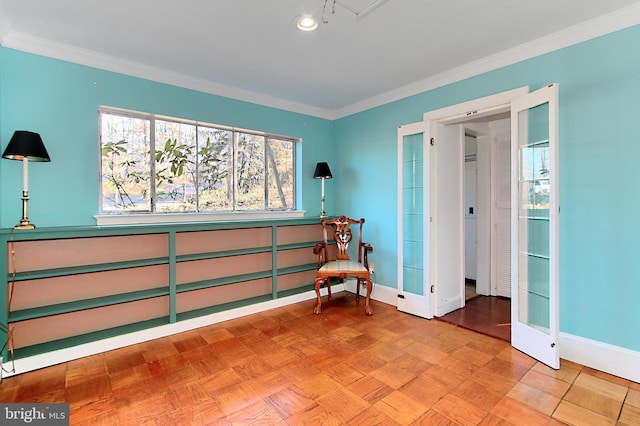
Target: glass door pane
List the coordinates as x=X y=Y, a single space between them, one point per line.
x=413 y=215
x=533 y=217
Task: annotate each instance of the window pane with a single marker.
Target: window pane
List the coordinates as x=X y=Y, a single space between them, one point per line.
x=280 y=174
x=535 y=173
x=192 y=167
x=214 y=163
x=175 y=167
x=250 y=170
x=125 y=163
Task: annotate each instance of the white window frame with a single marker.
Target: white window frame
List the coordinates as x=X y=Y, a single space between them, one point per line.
x=152 y=217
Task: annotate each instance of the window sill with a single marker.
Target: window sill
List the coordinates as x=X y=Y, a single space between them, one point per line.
x=153 y=218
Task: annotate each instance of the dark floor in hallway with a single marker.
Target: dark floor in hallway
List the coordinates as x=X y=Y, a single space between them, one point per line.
x=484 y=314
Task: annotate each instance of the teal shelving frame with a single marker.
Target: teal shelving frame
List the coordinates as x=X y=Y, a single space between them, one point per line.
x=172 y=290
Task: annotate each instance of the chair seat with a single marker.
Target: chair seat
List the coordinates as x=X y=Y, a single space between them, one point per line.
x=342 y=266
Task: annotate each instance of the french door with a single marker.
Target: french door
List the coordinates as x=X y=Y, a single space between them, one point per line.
x=422 y=202
x=430 y=235
x=534 y=225
x=414 y=222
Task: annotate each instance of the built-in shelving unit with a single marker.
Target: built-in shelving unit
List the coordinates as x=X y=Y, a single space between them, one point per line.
x=68 y=286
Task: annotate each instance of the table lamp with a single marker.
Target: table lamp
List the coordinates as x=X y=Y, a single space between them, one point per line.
x=25 y=146
x=322 y=172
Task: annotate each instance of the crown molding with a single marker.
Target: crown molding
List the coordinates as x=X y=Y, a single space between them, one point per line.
x=615 y=21
x=44 y=47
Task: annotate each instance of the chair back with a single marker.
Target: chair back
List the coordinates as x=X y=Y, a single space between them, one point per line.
x=342 y=235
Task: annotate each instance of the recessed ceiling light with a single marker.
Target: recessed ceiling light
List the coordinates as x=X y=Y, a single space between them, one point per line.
x=306 y=23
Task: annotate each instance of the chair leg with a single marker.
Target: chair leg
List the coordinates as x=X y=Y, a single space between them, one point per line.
x=328 y=288
x=318 y=308
x=358 y=283
x=367 y=306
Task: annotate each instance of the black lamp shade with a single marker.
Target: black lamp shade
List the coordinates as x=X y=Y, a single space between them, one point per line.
x=26 y=144
x=322 y=171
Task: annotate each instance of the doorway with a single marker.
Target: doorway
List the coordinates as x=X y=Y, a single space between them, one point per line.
x=431 y=278
x=487 y=234
x=488 y=204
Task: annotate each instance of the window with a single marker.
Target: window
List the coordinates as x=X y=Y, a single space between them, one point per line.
x=166 y=165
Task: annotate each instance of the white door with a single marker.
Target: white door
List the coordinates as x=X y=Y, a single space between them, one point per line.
x=534 y=225
x=414 y=218
x=448 y=216
x=502 y=217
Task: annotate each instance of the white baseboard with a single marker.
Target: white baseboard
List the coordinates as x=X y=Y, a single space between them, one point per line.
x=611 y=359
x=35 y=362
x=380 y=292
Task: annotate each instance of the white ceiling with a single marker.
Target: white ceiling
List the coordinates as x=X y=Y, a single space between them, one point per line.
x=252 y=50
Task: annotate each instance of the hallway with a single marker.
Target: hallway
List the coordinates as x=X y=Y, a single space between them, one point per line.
x=484 y=314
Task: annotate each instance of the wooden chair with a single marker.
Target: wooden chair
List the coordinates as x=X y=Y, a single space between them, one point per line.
x=342 y=267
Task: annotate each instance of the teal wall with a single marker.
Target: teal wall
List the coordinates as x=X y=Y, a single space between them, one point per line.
x=599 y=148
x=60 y=101
x=599 y=84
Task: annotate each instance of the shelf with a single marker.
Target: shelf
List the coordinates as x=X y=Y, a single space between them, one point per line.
x=222 y=307
x=85 y=269
x=294 y=246
x=298 y=268
x=219 y=254
x=216 y=282
x=298 y=290
x=88 y=337
x=80 y=305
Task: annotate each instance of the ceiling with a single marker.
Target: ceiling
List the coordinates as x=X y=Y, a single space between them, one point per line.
x=367 y=52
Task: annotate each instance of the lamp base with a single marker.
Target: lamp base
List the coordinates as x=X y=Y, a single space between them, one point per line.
x=25 y=224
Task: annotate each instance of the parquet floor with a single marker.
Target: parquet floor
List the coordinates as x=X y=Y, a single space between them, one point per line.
x=290 y=367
